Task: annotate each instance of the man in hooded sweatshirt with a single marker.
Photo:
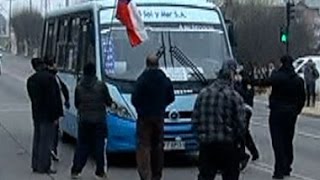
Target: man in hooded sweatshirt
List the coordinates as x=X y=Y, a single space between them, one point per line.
x=286 y=102
x=91 y=99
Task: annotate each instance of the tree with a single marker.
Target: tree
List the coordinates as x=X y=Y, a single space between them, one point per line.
x=27 y=25
x=257 y=32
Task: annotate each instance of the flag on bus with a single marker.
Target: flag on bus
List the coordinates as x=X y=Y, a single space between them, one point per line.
x=129 y=16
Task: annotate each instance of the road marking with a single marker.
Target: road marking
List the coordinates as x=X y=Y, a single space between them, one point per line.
x=10 y=110
x=15 y=76
x=300 y=133
x=269 y=169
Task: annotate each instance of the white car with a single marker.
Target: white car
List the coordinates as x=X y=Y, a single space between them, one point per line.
x=300 y=63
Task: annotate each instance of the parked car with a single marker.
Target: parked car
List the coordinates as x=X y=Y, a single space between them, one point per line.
x=299 y=66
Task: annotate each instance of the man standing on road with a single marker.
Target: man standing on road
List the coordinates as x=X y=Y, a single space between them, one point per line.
x=91 y=99
x=243 y=87
x=219 y=118
x=153 y=93
x=286 y=102
x=41 y=89
x=311 y=74
x=62 y=89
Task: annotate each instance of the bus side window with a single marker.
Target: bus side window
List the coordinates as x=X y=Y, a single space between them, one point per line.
x=87 y=50
x=62 y=43
x=73 y=45
x=49 y=36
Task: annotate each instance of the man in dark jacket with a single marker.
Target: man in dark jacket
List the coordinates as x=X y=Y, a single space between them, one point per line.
x=219 y=119
x=311 y=74
x=41 y=89
x=91 y=99
x=286 y=102
x=62 y=89
x=243 y=87
x=153 y=93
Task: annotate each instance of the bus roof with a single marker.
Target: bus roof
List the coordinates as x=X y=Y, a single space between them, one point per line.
x=98 y=4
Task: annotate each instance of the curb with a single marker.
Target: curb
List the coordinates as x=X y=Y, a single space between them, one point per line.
x=311 y=115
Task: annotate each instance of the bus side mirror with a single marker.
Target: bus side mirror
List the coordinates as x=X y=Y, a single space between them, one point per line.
x=231 y=33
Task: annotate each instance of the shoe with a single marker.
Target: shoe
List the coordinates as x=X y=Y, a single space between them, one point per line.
x=277 y=176
x=101 y=176
x=244 y=162
x=54 y=156
x=287 y=174
x=75 y=176
x=255 y=157
x=51 y=171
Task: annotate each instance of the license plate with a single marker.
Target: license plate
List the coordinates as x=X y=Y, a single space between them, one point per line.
x=174 y=145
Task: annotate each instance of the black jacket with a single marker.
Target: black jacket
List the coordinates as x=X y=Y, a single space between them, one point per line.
x=288 y=93
x=61 y=89
x=245 y=89
x=91 y=99
x=41 y=88
x=153 y=93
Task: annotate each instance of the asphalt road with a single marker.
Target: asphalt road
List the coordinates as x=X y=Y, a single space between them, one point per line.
x=16 y=135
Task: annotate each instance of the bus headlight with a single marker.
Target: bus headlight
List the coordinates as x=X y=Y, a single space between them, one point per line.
x=120 y=111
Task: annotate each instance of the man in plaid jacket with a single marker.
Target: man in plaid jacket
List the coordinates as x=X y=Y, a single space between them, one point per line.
x=219 y=119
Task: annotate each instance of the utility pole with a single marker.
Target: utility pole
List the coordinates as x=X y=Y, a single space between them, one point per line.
x=30 y=5
x=290 y=16
x=45 y=6
x=9 y=23
x=67 y=3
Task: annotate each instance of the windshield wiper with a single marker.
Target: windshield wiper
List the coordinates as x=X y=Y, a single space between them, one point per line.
x=177 y=54
x=162 y=51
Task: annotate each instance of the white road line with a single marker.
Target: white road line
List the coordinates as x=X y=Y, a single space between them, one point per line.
x=17 y=77
x=269 y=169
x=300 y=133
x=14 y=110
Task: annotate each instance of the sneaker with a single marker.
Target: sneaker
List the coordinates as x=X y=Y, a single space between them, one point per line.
x=101 y=176
x=277 y=176
x=54 y=156
x=75 y=176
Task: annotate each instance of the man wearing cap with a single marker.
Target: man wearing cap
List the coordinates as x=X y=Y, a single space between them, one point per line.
x=219 y=118
x=286 y=102
x=41 y=89
x=153 y=93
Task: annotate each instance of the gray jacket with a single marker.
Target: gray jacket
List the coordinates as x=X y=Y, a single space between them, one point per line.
x=91 y=99
x=311 y=73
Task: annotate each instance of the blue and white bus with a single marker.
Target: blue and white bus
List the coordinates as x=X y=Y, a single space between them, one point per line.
x=191 y=35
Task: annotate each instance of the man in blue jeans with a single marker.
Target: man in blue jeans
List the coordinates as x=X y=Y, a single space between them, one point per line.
x=91 y=99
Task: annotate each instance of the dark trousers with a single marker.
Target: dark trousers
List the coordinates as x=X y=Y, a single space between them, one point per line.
x=282 y=129
x=91 y=138
x=311 y=93
x=42 y=144
x=150 y=152
x=56 y=139
x=219 y=156
x=248 y=141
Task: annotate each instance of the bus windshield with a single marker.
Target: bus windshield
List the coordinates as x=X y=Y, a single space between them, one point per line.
x=204 y=44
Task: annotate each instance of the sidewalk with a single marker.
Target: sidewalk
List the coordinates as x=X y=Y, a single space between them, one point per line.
x=312 y=111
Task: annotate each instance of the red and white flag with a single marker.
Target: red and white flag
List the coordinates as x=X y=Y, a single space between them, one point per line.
x=129 y=16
